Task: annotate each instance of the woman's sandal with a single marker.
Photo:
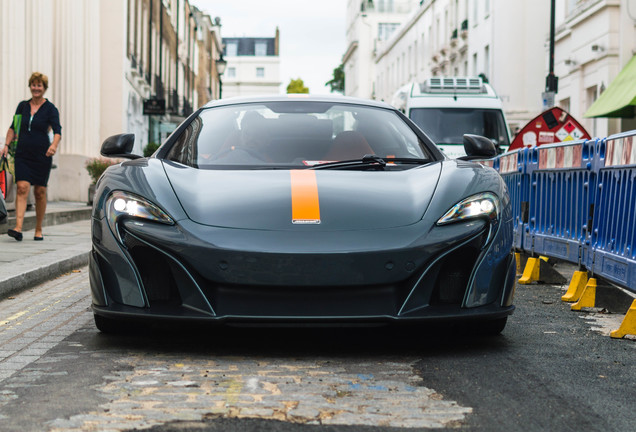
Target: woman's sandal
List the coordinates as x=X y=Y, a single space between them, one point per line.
x=38 y=238
x=15 y=234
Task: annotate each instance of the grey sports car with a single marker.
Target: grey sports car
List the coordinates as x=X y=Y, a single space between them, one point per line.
x=301 y=209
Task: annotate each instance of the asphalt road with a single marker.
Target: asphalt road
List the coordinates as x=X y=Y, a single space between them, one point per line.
x=550 y=370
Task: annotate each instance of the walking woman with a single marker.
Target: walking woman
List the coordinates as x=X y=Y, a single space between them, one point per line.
x=34 y=152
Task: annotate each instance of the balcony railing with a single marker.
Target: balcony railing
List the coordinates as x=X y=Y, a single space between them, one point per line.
x=173 y=103
x=160 y=91
x=187 y=108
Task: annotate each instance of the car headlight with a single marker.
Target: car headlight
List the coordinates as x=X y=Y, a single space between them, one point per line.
x=126 y=205
x=483 y=205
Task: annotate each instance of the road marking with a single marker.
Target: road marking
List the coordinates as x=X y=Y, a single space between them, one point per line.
x=12 y=318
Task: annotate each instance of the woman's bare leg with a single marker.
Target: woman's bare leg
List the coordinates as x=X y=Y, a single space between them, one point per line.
x=40 y=208
x=22 y=192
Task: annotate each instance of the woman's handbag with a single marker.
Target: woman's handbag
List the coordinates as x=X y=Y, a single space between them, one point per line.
x=3 y=209
x=4 y=176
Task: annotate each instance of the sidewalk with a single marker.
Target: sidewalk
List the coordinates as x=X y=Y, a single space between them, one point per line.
x=66 y=244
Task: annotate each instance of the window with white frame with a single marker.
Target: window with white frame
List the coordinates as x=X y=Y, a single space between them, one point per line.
x=385 y=6
x=385 y=30
x=487 y=61
x=231 y=49
x=260 y=72
x=231 y=72
x=260 y=48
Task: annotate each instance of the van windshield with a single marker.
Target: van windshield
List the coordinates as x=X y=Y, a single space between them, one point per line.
x=448 y=125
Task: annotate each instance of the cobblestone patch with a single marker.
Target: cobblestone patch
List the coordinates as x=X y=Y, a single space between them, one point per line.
x=320 y=391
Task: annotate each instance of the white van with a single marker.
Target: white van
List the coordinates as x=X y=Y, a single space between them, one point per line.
x=446 y=108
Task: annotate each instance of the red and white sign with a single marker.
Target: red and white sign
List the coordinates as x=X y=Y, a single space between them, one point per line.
x=552 y=126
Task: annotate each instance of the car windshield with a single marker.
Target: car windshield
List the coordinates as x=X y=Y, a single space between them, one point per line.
x=294 y=134
x=448 y=125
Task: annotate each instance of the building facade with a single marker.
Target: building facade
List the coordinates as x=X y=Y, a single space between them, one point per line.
x=369 y=24
x=104 y=60
x=504 y=41
x=493 y=39
x=595 y=39
x=253 y=66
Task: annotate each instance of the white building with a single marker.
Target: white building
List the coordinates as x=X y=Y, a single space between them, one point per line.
x=368 y=24
x=505 y=40
x=595 y=39
x=496 y=39
x=103 y=59
x=253 y=66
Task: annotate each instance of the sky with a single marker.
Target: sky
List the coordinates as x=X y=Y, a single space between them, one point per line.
x=312 y=33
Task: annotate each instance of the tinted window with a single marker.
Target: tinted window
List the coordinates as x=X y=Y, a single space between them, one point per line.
x=448 y=125
x=294 y=133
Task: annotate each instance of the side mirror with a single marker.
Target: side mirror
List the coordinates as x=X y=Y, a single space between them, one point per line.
x=119 y=146
x=478 y=147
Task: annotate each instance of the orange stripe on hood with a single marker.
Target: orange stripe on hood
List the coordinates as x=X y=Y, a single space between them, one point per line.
x=304 y=192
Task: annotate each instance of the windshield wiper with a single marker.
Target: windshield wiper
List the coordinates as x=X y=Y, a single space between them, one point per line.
x=369 y=160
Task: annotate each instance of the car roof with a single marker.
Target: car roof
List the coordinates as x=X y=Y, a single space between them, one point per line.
x=297 y=97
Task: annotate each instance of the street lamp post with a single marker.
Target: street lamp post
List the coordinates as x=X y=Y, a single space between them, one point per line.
x=220 y=70
x=551 y=81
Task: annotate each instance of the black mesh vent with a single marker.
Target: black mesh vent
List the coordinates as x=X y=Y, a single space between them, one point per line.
x=155 y=271
x=454 y=274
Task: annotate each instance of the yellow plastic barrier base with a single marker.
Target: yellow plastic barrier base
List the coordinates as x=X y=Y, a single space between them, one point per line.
x=542 y=271
x=588 y=297
x=628 y=326
x=531 y=272
x=518 y=260
x=577 y=285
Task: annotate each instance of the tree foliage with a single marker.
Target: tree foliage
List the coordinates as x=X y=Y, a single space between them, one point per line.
x=337 y=82
x=297 y=86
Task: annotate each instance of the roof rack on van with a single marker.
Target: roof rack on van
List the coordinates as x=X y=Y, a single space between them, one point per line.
x=453 y=85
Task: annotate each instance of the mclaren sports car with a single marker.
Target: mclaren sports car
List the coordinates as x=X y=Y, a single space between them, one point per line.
x=287 y=210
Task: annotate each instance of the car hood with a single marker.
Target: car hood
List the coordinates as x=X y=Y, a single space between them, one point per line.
x=270 y=199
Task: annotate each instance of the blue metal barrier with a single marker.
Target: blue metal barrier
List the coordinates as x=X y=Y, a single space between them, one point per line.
x=513 y=169
x=562 y=187
x=613 y=237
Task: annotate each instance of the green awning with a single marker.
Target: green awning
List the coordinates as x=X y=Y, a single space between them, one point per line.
x=619 y=98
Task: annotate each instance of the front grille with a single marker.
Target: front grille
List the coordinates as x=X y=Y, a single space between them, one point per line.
x=303 y=301
x=257 y=288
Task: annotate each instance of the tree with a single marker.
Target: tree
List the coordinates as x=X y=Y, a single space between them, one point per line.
x=297 y=86
x=337 y=82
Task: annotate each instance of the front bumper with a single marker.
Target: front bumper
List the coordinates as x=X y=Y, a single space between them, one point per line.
x=400 y=274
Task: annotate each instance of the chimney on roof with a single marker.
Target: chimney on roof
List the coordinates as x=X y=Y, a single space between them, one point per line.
x=276 y=41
